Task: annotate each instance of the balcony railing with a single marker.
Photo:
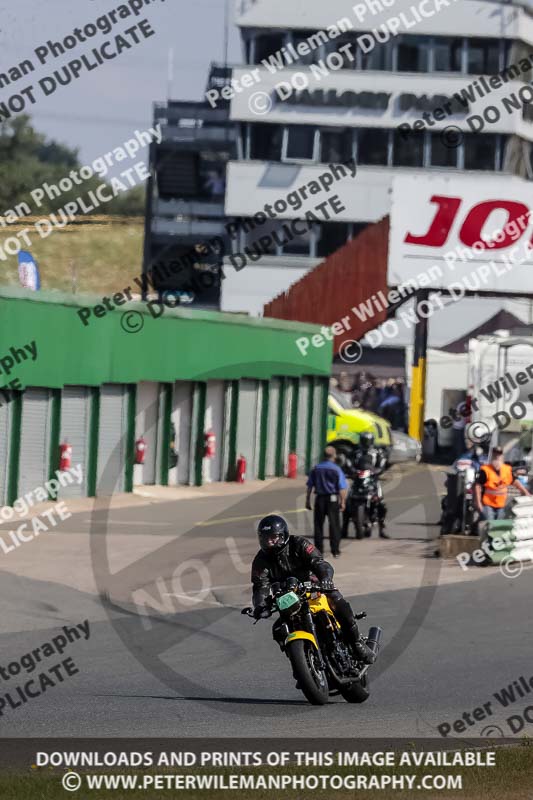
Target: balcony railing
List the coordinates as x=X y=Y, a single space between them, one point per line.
x=214 y=134
x=189 y=228
x=192 y=208
x=198 y=113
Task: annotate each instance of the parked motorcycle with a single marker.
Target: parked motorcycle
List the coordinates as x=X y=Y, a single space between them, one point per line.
x=323 y=664
x=458 y=509
x=364 y=504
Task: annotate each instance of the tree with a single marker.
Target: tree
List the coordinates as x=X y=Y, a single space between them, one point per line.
x=130 y=203
x=28 y=160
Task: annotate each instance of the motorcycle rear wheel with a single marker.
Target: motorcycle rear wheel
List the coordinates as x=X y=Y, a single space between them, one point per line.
x=468 y=522
x=312 y=680
x=357 y=692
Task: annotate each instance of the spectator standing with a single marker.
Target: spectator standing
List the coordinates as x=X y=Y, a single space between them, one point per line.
x=459 y=414
x=330 y=486
x=399 y=412
x=215 y=183
x=370 y=399
x=389 y=407
x=492 y=486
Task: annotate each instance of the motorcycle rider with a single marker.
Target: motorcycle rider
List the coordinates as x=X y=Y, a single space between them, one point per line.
x=370 y=454
x=284 y=556
x=455 y=513
x=473 y=453
x=369 y=457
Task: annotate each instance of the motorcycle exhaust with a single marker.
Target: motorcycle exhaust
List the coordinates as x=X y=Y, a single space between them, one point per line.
x=374 y=638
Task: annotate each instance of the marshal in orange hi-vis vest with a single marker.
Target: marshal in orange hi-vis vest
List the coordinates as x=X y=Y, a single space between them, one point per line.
x=495 y=488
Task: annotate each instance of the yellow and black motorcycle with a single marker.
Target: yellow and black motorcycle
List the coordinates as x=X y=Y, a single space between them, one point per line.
x=307 y=631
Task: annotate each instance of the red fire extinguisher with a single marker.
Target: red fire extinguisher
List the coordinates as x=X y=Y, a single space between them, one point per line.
x=210 y=442
x=293 y=465
x=65 y=455
x=241 y=469
x=140 y=450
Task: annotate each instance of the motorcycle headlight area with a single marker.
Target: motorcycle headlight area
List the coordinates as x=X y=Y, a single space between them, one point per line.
x=287 y=601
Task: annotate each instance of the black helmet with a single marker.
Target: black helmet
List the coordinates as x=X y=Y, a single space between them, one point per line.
x=273 y=533
x=366 y=440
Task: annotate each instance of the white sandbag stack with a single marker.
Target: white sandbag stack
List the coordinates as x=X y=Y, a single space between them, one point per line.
x=513 y=538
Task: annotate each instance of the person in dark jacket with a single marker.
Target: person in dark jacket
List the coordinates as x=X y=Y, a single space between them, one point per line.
x=284 y=556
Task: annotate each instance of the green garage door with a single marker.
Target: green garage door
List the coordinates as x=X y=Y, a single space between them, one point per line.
x=112 y=439
x=303 y=423
x=147 y=424
x=181 y=419
x=286 y=422
x=214 y=421
x=34 y=440
x=4 y=450
x=75 y=431
x=248 y=426
x=319 y=433
x=272 y=431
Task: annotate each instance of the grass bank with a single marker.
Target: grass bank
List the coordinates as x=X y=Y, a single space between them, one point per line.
x=510 y=779
x=102 y=255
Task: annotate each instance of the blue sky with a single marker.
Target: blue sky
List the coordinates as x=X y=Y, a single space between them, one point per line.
x=100 y=110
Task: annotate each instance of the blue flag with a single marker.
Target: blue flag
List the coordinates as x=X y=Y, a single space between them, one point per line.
x=29 y=271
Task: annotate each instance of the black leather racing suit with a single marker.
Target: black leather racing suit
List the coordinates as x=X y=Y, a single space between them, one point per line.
x=373 y=460
x=299 y=559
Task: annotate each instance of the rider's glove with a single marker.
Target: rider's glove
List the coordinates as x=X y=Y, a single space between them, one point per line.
x=259 y=611
x=327 y=585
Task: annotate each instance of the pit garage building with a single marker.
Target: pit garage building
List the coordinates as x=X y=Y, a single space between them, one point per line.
x=169 y=380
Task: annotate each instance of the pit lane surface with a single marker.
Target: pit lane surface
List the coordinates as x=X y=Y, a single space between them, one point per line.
x=451 y=638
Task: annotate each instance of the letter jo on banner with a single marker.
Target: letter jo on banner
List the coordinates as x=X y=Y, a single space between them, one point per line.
x=451 y=228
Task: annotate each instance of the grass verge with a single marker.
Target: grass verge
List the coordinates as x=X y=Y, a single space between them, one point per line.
x=510 y=779
x=100 y=256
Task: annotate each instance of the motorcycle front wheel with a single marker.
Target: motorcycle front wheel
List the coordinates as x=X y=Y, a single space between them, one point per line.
x=312 y=680
x=359 y=519
x=357 y=692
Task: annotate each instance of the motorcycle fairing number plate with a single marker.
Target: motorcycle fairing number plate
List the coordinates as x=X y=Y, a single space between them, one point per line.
x=287 y=600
